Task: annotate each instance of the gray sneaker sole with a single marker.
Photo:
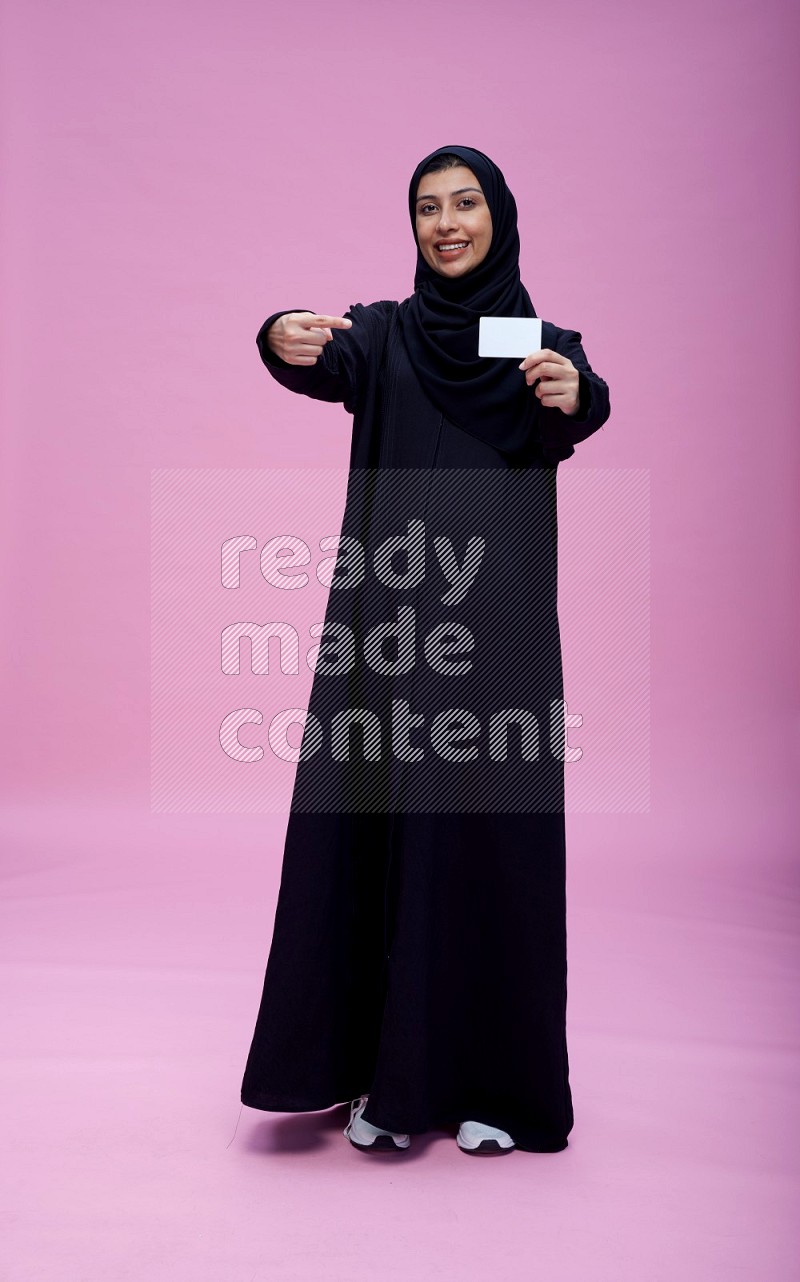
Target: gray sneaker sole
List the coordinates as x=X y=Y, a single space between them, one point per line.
x=487 y=1148
x=381 y=1144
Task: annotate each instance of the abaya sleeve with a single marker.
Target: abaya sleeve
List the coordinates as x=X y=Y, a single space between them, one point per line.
x=342 y=369
x=559 y=432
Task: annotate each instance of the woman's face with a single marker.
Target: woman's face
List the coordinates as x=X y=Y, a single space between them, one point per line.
x=451 y=210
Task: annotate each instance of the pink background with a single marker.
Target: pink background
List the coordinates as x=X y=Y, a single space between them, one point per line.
x=174 y=173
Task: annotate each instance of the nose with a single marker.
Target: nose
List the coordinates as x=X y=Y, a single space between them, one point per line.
x=447 y=222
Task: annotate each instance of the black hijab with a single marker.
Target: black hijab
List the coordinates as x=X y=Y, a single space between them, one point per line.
x=487 y=397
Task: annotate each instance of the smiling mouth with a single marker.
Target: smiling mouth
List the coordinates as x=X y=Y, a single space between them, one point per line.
x=451 y=247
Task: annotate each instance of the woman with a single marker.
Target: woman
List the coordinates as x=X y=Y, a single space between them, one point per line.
x=418 y=961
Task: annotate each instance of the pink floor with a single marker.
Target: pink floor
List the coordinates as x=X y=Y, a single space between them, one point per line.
x=133 y=956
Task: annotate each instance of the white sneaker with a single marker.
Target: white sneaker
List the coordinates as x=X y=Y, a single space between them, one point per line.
x=364 y=1135
x=476 y=1137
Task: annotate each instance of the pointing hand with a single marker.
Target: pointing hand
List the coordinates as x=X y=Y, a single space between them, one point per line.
x=299 y=337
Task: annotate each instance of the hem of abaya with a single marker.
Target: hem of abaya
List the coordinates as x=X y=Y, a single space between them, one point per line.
x=555 y=1146
x=294 y=1104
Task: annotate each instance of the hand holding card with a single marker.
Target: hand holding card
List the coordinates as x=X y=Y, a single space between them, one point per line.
x=554 y=379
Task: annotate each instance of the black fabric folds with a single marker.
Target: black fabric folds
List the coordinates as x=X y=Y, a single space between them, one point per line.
x=487 y=397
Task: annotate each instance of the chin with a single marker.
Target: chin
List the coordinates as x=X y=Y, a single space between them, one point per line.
x=463 y=269
x=443 y=269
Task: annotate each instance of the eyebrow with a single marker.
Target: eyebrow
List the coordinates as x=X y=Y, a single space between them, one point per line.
x=460 y=192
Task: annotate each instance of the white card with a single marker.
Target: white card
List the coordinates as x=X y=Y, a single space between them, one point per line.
x=509 y=335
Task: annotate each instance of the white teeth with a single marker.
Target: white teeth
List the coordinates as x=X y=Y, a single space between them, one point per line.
x=444 y=248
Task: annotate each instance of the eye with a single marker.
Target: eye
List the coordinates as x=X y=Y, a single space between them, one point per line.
x=465 y=200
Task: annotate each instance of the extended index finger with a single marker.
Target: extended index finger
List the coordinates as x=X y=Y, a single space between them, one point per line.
x=325 y=322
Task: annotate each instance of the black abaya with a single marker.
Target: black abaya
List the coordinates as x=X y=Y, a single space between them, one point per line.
x=419 y=948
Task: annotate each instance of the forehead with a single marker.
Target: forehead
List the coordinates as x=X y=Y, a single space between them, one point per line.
x=446 y=182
